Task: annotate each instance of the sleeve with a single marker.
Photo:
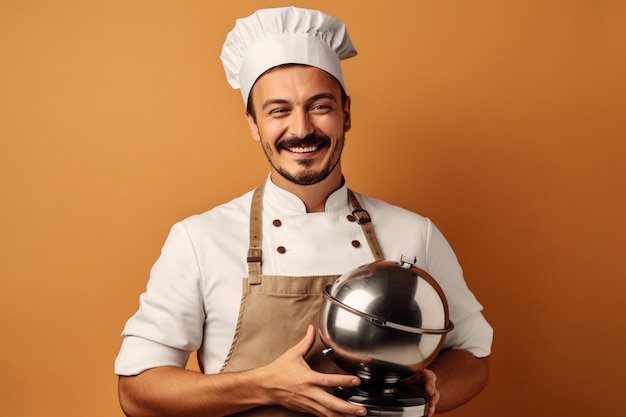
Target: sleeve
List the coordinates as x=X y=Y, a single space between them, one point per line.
x=471 y=330
x=169 y=322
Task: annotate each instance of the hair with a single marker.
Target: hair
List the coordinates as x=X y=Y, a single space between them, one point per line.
x=250 y=107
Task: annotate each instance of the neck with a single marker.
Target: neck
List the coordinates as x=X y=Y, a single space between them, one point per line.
x=313 y=196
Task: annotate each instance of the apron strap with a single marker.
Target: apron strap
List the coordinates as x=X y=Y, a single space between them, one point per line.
x=363 y=218
x=256 y=224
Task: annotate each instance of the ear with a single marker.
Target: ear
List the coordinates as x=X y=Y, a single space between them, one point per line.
x=254 y=129
x=347 y=122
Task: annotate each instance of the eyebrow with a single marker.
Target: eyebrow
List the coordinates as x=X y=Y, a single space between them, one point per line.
x=272 y=102
x=309 y=100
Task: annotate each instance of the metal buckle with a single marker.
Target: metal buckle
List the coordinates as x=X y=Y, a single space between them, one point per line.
x=254 y=255
x=361 y=216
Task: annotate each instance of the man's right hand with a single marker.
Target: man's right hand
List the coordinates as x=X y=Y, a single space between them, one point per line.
x=291 y=383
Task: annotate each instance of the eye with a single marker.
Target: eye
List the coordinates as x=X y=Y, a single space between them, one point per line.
x=279 y=111
x=321 y=108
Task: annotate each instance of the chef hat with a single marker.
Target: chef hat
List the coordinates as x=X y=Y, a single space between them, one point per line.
x=286 y=35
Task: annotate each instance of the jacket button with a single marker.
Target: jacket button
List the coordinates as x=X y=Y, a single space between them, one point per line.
x=356 y=243
x=281 y=249
x=277 y=223
x=350 y=218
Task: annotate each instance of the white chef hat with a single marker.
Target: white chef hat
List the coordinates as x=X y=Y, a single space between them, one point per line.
x=285 y=35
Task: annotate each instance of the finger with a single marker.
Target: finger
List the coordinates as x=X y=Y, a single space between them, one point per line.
x=430 y=381
x=344 y=408
x=434 y=399
x=338 y=380
x=325 y=404
x=306 y=343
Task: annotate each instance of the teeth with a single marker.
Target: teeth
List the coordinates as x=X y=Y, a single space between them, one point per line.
x=303 y=150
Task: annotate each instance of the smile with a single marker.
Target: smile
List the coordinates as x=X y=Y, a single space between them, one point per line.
x=306 y=149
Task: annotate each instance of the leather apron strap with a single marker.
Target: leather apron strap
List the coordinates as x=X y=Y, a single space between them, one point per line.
x=363 y=218
x=256 y=230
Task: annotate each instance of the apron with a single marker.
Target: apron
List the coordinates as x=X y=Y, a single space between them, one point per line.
x=276 y=310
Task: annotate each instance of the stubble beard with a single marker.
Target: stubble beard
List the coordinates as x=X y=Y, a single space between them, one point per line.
x=306 y=176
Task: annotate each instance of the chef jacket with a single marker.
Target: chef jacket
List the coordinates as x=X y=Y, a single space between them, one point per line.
x=191 y=302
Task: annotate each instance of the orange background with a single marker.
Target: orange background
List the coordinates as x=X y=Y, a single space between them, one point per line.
x=503 y=121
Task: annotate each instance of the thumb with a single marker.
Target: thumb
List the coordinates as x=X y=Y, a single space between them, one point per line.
x=306 y=343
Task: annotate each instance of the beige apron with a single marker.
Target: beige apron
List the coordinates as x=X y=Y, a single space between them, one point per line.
x=276 y=310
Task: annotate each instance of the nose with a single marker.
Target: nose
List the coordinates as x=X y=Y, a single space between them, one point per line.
x=301 y=124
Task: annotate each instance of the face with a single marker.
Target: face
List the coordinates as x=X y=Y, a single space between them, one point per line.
x=300 y=122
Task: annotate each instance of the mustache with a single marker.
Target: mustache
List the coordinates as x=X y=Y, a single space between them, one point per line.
x=309 y=140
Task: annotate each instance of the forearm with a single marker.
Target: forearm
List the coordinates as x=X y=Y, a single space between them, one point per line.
x=170 y=391
x=460 y=377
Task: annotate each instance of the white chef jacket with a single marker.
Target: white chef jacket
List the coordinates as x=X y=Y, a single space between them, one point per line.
x=192 y=298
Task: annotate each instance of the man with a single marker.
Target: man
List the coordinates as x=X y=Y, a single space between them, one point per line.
x=241 y=283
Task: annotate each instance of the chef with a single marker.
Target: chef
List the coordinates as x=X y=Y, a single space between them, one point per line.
x=241 y=284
